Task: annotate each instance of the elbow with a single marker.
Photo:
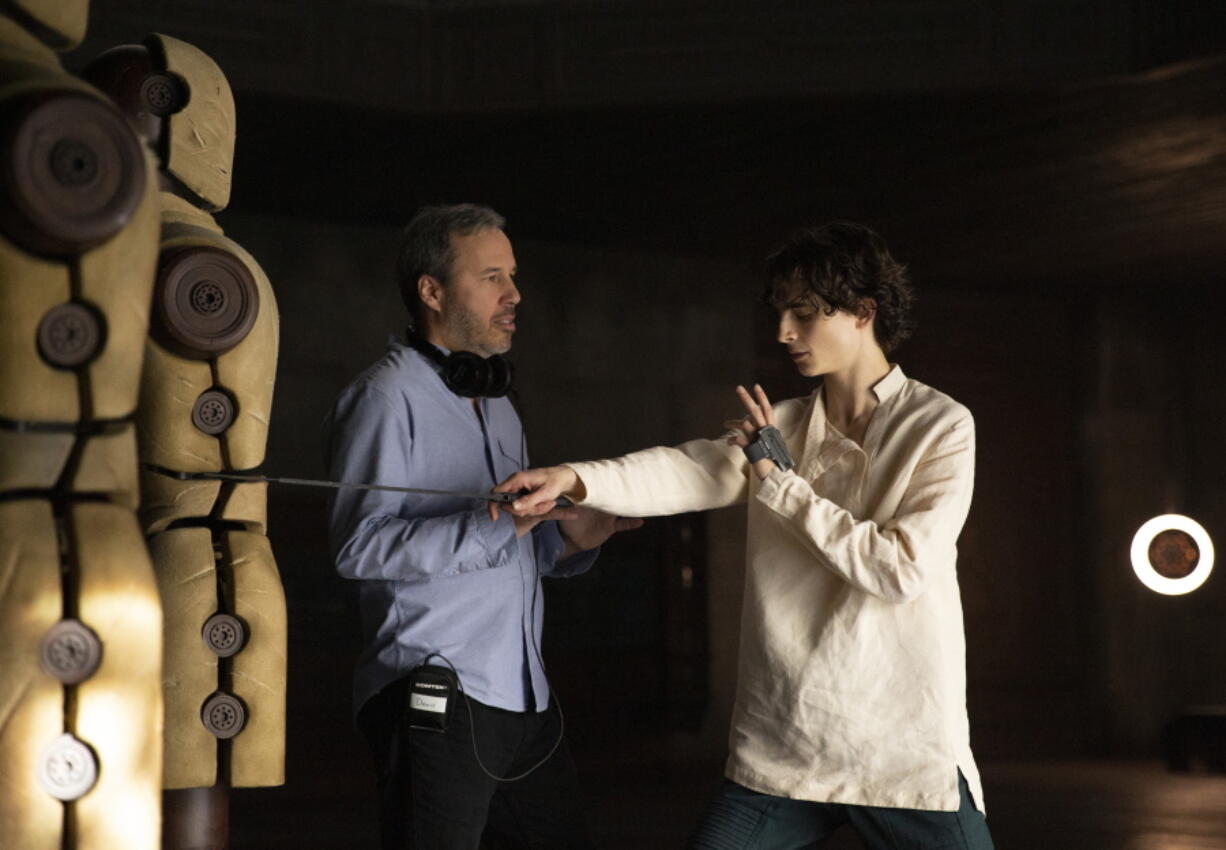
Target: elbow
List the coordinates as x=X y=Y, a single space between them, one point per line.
x=349 y=555
x=359 y=547
x=903 y=592
x=347 y=565
x=907 y=582
x=905 y=571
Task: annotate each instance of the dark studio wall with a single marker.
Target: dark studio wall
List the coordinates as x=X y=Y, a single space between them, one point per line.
x=1054 y=174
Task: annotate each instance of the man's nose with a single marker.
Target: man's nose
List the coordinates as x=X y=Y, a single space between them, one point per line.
x=786 y=332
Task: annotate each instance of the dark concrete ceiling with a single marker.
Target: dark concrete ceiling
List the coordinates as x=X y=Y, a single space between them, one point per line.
x=1051 y=184
x=443 y=56
x=1037 y=139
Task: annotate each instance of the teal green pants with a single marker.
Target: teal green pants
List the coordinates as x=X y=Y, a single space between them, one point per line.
x=740 y=819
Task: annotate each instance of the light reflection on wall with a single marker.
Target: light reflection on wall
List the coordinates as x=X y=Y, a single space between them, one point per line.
x=1172 y=554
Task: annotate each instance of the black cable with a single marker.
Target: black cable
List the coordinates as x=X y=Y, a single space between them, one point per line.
x=472 y=729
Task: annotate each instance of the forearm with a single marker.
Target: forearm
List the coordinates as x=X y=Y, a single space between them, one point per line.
x=391 y=548
x=695 y=476
x=895 y=559
x=556 y=555
x=859 y=551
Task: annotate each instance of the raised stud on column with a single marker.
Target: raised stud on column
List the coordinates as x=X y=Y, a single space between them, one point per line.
x=225 y=634
x=70 y=651
x=213 y=412
x=70 y=335
x=224 y=715
x=67 y=768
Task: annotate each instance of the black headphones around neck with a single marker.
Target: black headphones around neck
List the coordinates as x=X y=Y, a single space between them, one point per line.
x=464 y=373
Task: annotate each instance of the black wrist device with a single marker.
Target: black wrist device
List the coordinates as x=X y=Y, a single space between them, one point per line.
x=769 y=444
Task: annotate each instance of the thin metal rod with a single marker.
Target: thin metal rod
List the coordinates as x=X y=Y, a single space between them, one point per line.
x=502 y=498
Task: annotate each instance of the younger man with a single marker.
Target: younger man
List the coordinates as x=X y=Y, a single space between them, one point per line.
x=851 y=692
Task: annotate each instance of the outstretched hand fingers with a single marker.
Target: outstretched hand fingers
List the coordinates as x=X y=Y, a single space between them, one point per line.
x=756 y=414
x=764 y=405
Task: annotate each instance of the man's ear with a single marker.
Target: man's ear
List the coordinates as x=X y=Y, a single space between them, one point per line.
x=431 y=292
x=868 y=312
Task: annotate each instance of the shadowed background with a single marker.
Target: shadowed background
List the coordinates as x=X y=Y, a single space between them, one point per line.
x=1055 y=176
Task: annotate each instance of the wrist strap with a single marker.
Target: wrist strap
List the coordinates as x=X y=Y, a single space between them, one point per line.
x=769 y=443
x=755 y=451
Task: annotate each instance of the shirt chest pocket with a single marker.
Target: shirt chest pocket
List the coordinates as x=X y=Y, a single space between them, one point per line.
x=844 y=481
x=507 y=458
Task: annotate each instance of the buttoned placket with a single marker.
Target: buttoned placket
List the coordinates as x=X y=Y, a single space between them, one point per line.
x=835 y=451
x=833 y=446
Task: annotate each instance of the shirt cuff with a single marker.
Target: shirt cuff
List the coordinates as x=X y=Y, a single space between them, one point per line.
x=584 y=471
x=784 y=492
x=496 y=535
x=550 y=546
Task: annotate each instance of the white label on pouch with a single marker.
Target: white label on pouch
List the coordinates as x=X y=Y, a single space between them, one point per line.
x=424 y=702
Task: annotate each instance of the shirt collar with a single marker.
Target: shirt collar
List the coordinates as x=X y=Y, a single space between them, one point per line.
x=394 y=341
x=819 y=453
x=890 y=384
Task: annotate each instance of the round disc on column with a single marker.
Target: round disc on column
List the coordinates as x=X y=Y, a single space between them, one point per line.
x=70 y=652
x=223 y=715
x=69 y=335
x=225 y=634
x=206 y=302
x=73 y=171
x=67 y=768
x=213 y=412
x=162 y=94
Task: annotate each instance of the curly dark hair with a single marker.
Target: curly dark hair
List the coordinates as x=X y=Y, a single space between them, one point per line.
x=425 y=246
x=850 y=268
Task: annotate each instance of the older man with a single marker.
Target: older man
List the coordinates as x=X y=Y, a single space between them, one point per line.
x=451 y=690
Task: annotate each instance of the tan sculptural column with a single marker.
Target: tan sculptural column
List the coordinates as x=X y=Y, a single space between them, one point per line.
x=80 y=618
x=205 y=402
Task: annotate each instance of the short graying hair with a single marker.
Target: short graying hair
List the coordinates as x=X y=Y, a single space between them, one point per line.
x=425 y=246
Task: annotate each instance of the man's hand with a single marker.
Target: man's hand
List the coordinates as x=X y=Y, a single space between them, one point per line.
x=590 y=528
x=524 y=524
x=759 y=414
x=541 y=489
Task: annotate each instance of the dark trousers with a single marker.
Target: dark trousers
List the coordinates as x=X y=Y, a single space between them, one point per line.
x=433 y=794
x=738 y=818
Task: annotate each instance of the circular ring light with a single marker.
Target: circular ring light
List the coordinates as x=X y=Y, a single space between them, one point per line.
x=1172 y=554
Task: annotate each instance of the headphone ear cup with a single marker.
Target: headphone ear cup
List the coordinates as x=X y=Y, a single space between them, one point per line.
x=465 y=374
x=468 y=374
x=501 y=376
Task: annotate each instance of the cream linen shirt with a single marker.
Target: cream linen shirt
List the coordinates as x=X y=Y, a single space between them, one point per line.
x=851 y=684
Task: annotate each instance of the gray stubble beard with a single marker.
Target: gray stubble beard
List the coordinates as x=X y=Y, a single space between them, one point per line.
x=465 y=326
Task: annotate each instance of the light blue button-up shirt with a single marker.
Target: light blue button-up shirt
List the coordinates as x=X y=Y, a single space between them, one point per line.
x=435 y=574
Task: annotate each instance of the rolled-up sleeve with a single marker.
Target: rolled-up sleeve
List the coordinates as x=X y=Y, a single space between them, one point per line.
x=380 y=534
x=893 y=561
